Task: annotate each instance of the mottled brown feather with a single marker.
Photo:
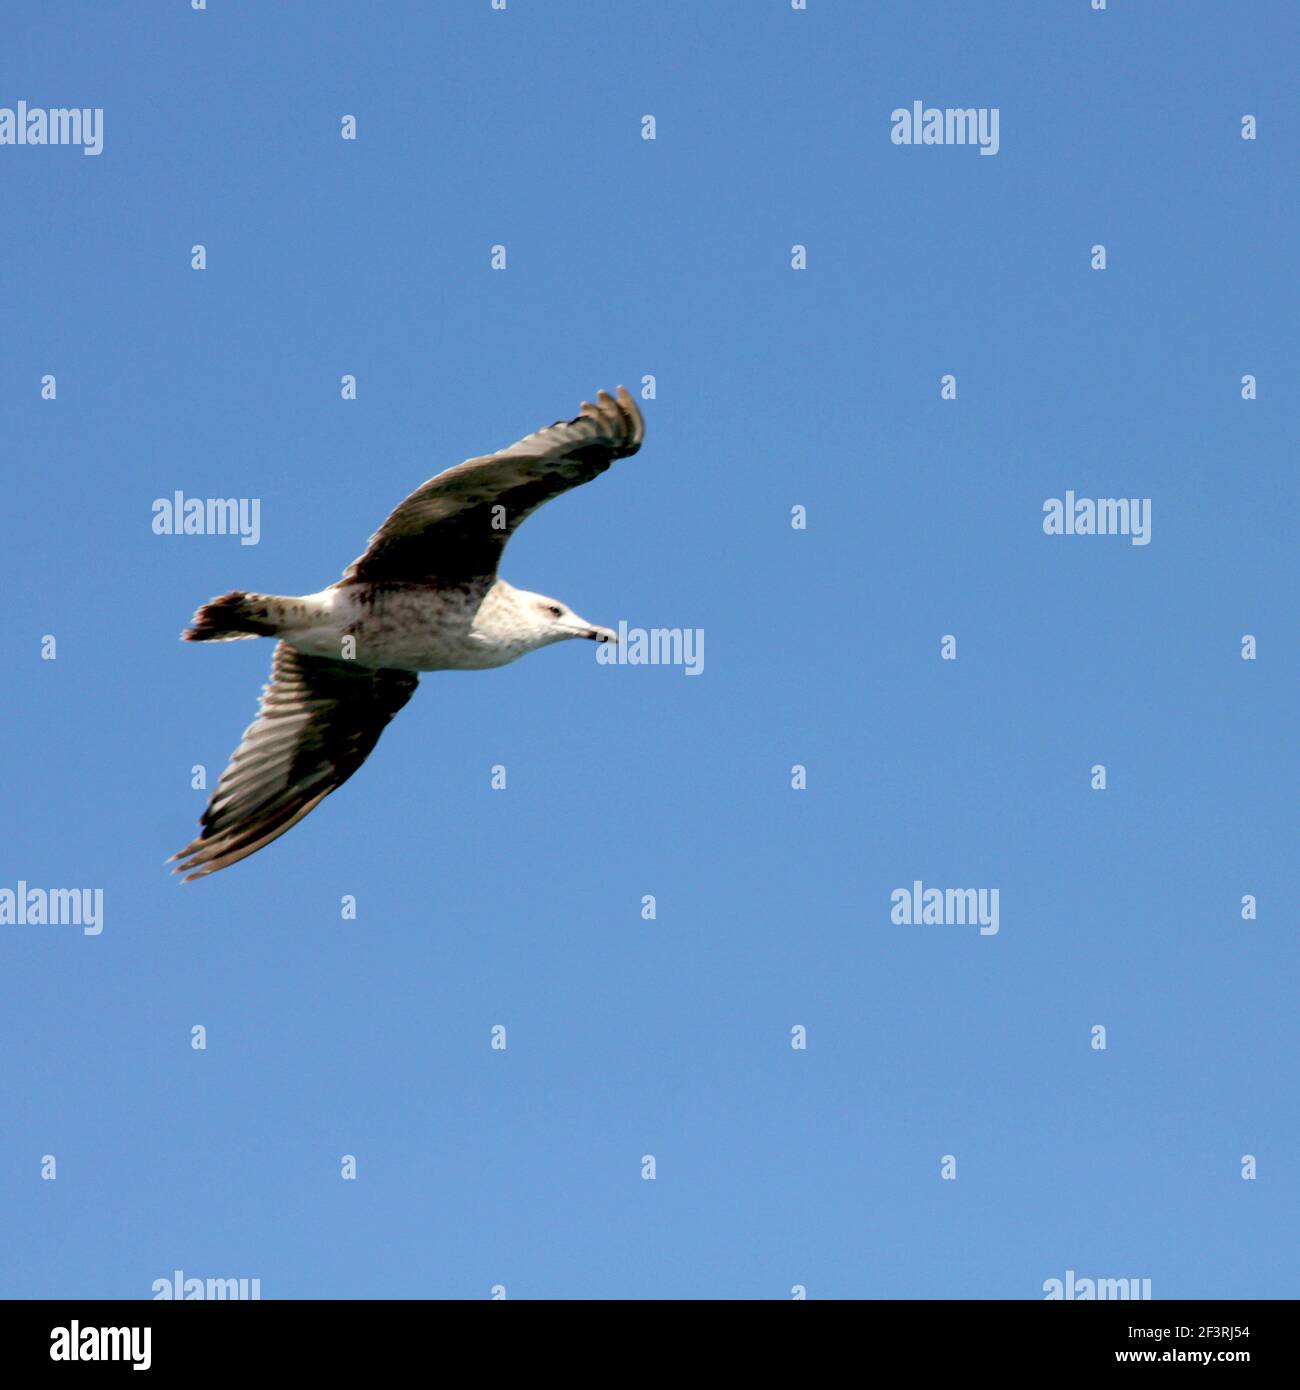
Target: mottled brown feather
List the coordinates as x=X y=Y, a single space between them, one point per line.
x=448 y=531
x=317 y=723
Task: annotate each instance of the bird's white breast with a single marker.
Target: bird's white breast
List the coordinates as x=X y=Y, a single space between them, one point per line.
x=411 y=627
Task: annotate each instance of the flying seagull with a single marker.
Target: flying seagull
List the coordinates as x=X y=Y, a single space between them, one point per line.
x=425 y=596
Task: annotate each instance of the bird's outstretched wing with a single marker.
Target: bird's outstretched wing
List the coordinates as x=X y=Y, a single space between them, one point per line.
x=316 y=725
x=454 y=528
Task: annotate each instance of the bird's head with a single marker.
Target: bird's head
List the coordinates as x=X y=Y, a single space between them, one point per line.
x=553 y=621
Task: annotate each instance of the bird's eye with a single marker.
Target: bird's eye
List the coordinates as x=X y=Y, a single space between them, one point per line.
x=555 y=610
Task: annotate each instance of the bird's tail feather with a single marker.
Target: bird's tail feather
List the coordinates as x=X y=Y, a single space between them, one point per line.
x=234 y=616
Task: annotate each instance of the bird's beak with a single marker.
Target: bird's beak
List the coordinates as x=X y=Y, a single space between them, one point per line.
x=595 y=634
x=575 y=626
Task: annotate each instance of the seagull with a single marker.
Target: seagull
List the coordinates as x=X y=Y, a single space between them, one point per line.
x=425 y=596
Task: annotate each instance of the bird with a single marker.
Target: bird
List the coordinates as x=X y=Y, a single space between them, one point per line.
x=423 y=596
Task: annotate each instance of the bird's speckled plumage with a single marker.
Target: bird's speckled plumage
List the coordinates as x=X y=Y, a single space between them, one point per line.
x=423 y=597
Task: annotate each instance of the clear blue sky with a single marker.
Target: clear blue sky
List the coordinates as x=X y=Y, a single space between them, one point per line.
x=776 y=388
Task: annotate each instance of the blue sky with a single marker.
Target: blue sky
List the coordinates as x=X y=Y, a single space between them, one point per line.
x=775 y=388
